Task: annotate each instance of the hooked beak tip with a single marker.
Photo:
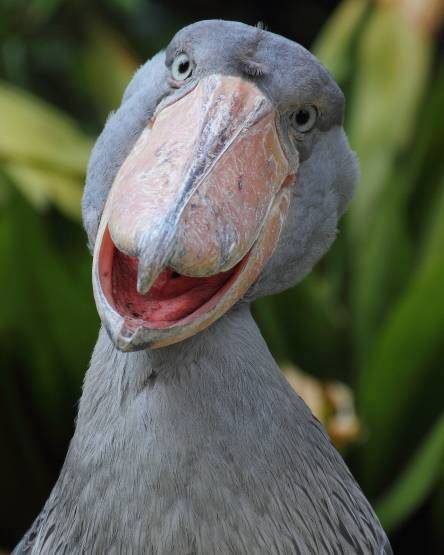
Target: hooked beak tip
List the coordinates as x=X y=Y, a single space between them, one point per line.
x=143 y=284
x=147 y=272
x=124 y=339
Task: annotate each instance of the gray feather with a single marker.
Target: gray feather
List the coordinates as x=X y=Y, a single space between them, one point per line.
x=201 y=448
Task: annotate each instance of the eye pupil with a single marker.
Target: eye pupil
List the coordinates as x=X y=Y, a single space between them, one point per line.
x=302 y=117
x=184 y=66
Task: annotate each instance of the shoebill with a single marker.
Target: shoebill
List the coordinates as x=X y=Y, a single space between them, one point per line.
x=220 y=179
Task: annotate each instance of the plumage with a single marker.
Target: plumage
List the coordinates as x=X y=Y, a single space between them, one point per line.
x=202 y=446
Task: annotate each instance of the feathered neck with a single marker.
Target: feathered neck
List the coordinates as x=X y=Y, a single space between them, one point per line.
x=198 y=445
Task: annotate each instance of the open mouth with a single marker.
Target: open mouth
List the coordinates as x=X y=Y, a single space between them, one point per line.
x=173 y=299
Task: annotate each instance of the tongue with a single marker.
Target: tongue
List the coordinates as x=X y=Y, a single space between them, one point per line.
x=171 y=298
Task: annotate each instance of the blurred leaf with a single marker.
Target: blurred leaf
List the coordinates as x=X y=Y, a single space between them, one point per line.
x=410 y=337
x=433 y=243
x=294 y=322
x=33 y=131
x=438 y=510
x=109 y=66
x=22 y=306
x=333 y=45
x=425 y=15
x=35 y=193
x=383 y=264
x=41 y=186
x=392 y=70
x=393 y=63
x=125 y=5
x=40 y=379
x=382 y=268
x=42 y=10
x=416 y=481
x=48 y=302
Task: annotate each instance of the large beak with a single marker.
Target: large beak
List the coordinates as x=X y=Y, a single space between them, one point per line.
x=193 y=215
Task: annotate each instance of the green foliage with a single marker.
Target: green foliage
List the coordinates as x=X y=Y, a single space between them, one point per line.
x=417 y=480
x=395 y=253
x=108 y=67
x=372 y=312
x=36 y=133
x=333 y=46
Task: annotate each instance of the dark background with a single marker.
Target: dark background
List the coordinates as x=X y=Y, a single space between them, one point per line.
x=372 y=313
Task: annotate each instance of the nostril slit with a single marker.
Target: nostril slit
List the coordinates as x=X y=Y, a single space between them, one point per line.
x=175 y=275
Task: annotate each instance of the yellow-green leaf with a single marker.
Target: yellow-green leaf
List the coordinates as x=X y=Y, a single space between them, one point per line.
x=393 y=66
x=433 y=244
x=33 y=131
x=333 y=45
x=42 y=186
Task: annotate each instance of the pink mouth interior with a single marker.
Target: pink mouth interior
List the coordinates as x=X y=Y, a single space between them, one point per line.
x=172 y=299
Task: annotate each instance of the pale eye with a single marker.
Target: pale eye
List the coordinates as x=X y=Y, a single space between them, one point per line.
x=304 y=119
x=182 y=67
